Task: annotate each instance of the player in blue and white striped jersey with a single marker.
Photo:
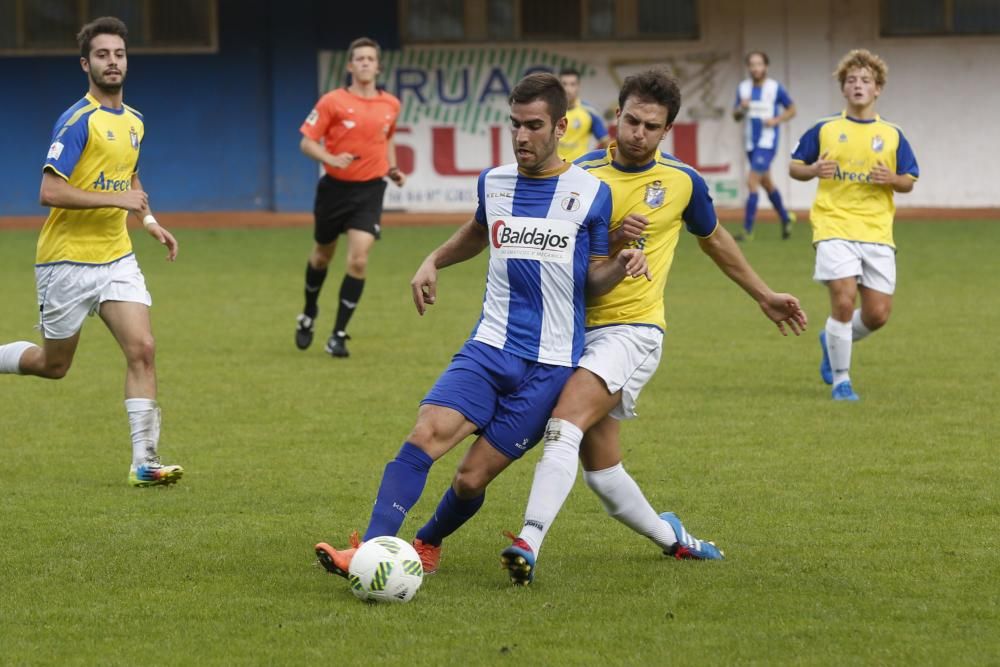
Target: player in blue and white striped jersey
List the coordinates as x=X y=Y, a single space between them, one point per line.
x=765 y=104
x=545 y=222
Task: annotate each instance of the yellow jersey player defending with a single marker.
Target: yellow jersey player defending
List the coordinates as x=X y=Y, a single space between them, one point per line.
x=84 y=263
x=653 y=196
x=861 y=160
x=582 y=120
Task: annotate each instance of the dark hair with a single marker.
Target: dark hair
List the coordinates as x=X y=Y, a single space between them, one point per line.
x=364 y=41
x=541 y=86
x=106 y=25
x=568 y=71
x=767 y=61
x=652 y=86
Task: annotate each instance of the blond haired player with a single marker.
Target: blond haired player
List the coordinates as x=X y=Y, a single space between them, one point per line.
x=84 y=263
x=653 y=196
x=860 y=161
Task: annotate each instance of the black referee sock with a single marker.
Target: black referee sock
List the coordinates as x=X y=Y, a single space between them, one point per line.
x=350 y=294
x=314 y=282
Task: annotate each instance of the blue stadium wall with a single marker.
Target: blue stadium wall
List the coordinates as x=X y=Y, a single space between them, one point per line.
x=222 y=128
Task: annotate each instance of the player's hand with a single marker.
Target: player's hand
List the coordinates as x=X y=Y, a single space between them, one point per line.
x=631 y=228
x=135 y=201
x=634 y=262
x=424 y=286
x=881 y=174
x=340 y=160
x=785 y=311
x=397 y=176
x=772 y=122
x=164 y=237
x=823 y=167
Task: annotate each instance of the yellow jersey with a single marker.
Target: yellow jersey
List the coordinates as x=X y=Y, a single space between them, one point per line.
x=94 y=148
x=849 y=206
x=668 y=193
x=582 y=122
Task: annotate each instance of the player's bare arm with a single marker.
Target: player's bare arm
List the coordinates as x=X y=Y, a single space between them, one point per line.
x=882 y=175
x=315 y=150
x=470 y=240
x=604 y=274
x=821 y=168
x=785 y=116
x=782 y=309
x=740 y=111
x=56 y=191
x=395 y=173
x=153 y=227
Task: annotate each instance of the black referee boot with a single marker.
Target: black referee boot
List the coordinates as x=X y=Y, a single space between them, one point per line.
x=337 y=345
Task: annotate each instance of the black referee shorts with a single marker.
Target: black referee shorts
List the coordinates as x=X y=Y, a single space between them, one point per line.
x=343 y=205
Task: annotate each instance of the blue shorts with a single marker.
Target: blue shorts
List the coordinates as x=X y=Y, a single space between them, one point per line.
x=507 y=397
x=760 y=159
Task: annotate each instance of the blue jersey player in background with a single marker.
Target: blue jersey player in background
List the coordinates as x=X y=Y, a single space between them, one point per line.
x=764 y=104
x=545 y=222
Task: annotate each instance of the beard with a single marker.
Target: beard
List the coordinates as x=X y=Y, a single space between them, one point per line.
x=105 y=86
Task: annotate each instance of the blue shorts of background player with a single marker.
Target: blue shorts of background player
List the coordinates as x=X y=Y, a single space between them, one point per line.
x=760 y=159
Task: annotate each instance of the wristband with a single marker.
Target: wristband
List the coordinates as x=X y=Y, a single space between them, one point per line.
x=149 y=220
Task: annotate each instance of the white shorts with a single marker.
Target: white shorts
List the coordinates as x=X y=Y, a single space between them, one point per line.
x=873 y=264
x=68 y=293
x=624 y=356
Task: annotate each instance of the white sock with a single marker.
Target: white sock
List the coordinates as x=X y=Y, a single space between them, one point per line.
x=555 y=474
x=624 y=501
x=838 y=343
x=858 y=328
x=144 y=422
x=10 y=356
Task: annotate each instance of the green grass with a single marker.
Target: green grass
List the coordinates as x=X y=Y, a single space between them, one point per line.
x=856 y=534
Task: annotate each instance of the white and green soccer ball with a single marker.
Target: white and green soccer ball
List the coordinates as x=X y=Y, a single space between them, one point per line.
x=385 y=569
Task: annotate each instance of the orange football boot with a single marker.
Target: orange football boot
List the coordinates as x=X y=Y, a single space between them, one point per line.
x=337 y=561
x=430 y=555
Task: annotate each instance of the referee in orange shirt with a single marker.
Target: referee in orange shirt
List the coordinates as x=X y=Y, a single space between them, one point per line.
x=350 y=133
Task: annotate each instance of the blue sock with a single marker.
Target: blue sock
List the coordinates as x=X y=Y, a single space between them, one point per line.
x=451 y=513
x=751 y=213
x=778 y=205
x=402 y=483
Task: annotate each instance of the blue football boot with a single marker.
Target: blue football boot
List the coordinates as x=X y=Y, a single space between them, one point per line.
x=688 y=547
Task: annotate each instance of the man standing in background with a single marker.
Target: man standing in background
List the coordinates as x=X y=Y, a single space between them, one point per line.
x=582 y=121
x=350 y=133
x=765 y=104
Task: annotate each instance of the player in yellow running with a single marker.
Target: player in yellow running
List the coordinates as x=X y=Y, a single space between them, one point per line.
x=582 y=120
x=653 y=196
x=84 y=262
x=860 y=161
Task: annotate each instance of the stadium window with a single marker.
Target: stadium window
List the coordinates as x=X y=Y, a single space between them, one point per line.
x=49 y=27
x=909 y=18
x=668 y=19
x=434 y=20
x=547 y=20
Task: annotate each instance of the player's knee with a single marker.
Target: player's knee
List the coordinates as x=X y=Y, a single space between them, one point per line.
x=142 y=352
x=876 y=318
x=357 y=264
x=55 y=369
x=470 y=483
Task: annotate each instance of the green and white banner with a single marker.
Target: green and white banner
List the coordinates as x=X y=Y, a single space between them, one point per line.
x=454 y=117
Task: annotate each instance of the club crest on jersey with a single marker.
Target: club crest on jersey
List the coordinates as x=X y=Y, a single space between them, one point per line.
x=133 y=138
x=571 y=203
x=843 y=138
x=877 y=143
x=655 y=193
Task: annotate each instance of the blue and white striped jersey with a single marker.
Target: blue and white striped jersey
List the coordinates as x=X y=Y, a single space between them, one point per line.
x=543 y=232
x=766 y=101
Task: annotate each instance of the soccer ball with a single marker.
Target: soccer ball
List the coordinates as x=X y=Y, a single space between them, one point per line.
x=385 y=569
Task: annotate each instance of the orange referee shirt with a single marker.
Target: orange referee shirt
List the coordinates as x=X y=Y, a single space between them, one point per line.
x=362 y=126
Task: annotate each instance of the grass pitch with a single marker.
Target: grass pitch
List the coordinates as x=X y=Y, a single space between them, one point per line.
x=858 y=534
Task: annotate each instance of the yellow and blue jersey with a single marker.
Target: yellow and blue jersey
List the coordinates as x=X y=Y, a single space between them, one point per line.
x=94 y=148
x=582 y=122
x=668 y=193
x=849 y=206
